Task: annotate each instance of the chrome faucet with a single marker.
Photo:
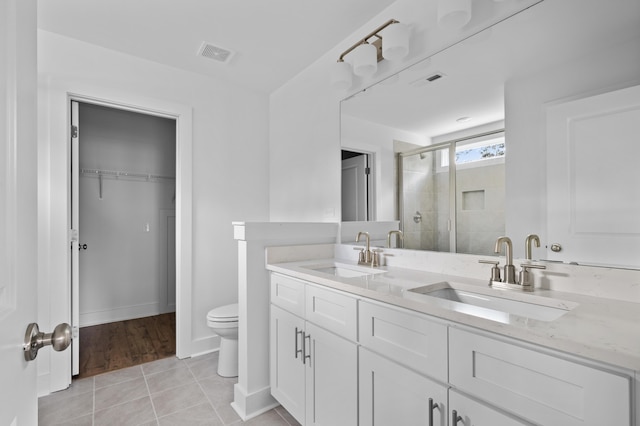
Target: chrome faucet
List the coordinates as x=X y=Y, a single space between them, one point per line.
x=365 y=257
x=509 y=269
x=527 y=245
x=399 y=238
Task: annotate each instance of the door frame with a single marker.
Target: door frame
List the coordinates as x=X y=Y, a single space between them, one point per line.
x=363 y=177
x=373 y=159
x=58 y=129
x=74 y=211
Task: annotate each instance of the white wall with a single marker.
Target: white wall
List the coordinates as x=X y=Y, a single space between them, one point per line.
x=230 y=173
x=602 y=71
x=124 y=271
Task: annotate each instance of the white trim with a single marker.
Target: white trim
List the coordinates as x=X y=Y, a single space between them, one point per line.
x=184 y=186
x=205 y=345
x=250 y=405
x=57 y=94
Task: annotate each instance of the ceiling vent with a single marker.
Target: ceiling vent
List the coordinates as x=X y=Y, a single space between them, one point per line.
x=423 y=81
x=217 y=53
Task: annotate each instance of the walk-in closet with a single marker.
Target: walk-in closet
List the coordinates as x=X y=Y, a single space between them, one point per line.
x=126 y=195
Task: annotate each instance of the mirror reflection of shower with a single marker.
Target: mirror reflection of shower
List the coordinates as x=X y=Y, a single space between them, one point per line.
x=451 y=194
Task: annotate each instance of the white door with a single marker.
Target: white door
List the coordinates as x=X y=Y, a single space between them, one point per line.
x=18 y=219
x=593 y=196
x=75 y=238
x=355 y=189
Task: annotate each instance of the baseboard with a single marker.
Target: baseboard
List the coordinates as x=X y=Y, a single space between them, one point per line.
x=204 y=345
x=121 y=313
x=251 y=405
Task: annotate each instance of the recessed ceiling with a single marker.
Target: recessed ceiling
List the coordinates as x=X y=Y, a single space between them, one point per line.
x=272 y=40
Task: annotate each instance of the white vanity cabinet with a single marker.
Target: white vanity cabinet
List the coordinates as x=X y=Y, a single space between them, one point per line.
x=314 y=358
x=403 y=367
x=340 y=359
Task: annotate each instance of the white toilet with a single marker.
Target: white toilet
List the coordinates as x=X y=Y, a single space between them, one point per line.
x=224 y=322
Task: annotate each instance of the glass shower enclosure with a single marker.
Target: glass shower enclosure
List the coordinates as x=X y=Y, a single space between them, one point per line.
x=451 y=195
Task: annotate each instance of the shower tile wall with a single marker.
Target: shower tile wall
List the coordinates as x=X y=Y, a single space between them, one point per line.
x=479 y=221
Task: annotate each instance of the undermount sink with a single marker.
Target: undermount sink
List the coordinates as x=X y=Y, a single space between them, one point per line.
x=344 y=270
x=487 y=303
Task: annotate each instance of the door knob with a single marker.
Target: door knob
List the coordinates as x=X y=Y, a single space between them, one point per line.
x=34 y=339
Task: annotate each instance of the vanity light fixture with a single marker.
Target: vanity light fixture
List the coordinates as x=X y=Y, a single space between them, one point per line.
x=391 y=42
x=454 y=14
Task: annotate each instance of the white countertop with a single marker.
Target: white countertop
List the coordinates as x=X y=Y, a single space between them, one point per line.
x=604 y=330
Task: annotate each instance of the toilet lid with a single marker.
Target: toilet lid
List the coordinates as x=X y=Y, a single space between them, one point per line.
x=226 y=312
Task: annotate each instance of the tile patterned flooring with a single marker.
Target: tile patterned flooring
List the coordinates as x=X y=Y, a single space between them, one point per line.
x=169 y=391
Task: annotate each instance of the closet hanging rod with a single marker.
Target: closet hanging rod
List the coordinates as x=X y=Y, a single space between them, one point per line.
x=119 y=174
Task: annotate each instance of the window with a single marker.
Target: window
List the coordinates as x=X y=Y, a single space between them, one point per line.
x=477 y=151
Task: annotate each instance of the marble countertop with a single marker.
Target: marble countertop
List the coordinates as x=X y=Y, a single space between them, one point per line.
x=603 y=330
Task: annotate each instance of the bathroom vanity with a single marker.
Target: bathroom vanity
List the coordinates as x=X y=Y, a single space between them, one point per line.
x=353 y=345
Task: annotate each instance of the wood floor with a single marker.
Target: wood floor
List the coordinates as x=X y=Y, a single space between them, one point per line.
x=108 y=347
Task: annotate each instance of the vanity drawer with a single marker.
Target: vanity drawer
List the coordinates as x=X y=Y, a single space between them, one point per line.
x=407 y=337
x=288 y=293
x=332 y=310
x=536 y=386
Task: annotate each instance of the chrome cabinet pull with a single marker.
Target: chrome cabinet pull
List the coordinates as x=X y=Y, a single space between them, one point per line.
x=432 y=407
x=307 y=356
x=298 y=351
x=455 y=418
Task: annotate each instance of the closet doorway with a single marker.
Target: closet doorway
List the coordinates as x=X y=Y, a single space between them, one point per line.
x=123 y=214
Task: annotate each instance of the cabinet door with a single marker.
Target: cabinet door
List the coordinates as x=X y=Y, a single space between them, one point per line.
x=331 y=379
x=391 y=394
x=286 y=367
x=473 y=413
x=541 y=388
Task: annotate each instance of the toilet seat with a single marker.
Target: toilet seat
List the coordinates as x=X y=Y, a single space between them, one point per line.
x=226 y=313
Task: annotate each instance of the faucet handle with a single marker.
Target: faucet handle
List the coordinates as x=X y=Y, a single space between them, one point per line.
x=495 y=271
x=489 y=262
x=375 y=257
x=532 y=266
x=523 y=277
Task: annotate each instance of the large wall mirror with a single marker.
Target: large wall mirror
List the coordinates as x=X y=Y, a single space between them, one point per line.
x=435 y=137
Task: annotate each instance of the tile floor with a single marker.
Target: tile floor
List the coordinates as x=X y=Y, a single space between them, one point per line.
x=164 y=392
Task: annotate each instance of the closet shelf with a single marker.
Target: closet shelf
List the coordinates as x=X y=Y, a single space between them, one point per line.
x=122 y=175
